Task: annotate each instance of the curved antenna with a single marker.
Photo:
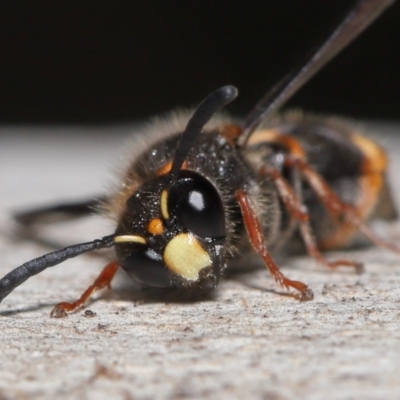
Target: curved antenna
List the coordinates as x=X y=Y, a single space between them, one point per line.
x=20 y=274
x=203 y=113
x=362 y=15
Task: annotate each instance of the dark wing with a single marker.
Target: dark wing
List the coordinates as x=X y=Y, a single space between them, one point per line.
x=59 y=212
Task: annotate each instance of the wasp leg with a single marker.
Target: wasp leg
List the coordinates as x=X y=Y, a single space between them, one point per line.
x=103 y=280
x=336 y=207
x=299 y=211
x=58 y=212
x=254 y=231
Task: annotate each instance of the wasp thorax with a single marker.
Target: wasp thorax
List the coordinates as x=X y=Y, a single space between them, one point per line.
x=169 y=231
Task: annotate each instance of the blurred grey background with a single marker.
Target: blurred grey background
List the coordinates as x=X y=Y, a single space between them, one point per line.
x=96 y=62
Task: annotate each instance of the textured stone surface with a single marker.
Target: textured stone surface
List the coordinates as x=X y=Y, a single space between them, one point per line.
x=248 y=341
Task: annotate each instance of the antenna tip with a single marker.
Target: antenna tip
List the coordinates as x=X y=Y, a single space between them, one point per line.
x=228 y=93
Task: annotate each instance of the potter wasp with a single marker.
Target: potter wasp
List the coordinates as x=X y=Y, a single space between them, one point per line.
x=207 y=190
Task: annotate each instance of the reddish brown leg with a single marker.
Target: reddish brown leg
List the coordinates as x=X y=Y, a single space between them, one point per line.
x=103 y=280
x=298 y=211
x=336 y=207
x=257 y=241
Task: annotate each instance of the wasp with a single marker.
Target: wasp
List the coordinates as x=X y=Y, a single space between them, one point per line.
x=207 y=189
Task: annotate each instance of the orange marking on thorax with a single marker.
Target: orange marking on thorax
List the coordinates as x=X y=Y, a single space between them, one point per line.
x=290 y=144
x=231 y=133
x=167 y=167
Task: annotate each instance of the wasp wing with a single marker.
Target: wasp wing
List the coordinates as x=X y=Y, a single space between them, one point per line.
x=60 y=212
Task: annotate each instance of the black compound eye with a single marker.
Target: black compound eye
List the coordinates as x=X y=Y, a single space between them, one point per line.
x=197 y=206
x=148 y=268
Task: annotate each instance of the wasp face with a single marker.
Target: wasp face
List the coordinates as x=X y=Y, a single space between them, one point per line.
x=173 y=232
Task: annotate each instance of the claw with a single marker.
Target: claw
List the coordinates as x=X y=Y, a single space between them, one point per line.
x=359 y=267
x=306 y=295
x=58 y=312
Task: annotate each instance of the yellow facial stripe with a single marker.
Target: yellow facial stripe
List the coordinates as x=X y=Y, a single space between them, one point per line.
x=156 y=226
x=164 y=204
x=186 y=257
x=129 y=239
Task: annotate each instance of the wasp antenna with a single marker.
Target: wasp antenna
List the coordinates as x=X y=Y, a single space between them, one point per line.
x=20 y=274
x=362 y=15
x=203 y=113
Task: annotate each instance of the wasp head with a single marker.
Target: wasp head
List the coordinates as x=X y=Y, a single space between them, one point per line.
x=173 y=232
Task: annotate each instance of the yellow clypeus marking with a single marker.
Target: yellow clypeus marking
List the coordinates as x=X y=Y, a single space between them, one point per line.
x=186 y=257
